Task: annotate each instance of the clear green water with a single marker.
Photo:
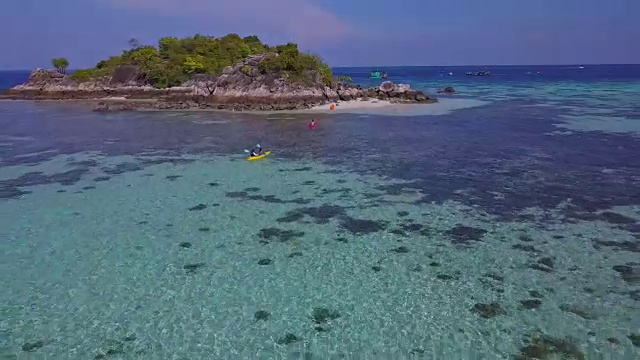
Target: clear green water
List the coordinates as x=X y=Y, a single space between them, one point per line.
x=128 y=271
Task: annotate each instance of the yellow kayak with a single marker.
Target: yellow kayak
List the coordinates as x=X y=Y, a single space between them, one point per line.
x=251 y=158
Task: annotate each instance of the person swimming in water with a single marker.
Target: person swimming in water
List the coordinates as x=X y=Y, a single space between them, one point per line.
x=312 y=124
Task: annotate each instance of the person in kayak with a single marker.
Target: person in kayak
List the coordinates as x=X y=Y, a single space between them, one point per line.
x=312 y=124
x=257 y=151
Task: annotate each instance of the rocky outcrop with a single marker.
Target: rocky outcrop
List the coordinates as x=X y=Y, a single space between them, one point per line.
x=447 y=90
x=126 y=81
x=240 y=87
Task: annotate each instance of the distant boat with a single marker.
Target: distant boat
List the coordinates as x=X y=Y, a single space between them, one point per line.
x=479 y=73
x=378 y=75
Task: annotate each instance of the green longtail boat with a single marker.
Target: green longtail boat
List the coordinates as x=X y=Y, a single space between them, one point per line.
x=377 y=74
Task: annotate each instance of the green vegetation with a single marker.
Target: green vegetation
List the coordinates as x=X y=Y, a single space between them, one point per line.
x=343 y=79
x=175 y=60
x=60 y=64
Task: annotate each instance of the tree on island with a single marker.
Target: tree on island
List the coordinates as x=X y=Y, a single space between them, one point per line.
x=134 y=43
x=60 y=64
x=175 y=60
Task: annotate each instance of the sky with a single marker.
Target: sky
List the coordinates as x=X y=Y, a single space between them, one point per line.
x=344 y=33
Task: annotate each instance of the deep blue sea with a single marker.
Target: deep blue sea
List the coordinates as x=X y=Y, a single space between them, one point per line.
x=502 y=222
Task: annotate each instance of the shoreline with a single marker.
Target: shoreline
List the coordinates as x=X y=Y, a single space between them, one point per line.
x=357 y=106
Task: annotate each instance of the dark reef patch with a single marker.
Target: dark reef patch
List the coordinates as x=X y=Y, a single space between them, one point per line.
x=198 y=207
x=488 y=310
x=320 y=214
x=400 y=250
x=11 y=188
x=465 y=235
x=581 y=311
x=631 y=245
x=322 y=315
x=545 y=347
x=122 y=168
x=288 y=339
x=279 y=234
x=192 y=268
x=244 y=195
x=544 y=264
x=82 y=163
x=300 y=169
x=164 y=160
x=261 y=315
x=526 y=248
x=531 y=303
x=630 y=272
x=362 y=226
x=32 y=346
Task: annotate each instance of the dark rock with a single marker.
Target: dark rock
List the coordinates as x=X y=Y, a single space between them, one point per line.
x=546 y=347
x=361 y=226
x=527 y=248
x=531 y=303
x=443 y=276
x=322 y=315
x=261 y=315
x=465 y=234
x=198 y=207
x=548 y=262
x=525 y=238
x=29 y=347
x=584 y=313
x=279 y=234
x=629 y=272
x=447 y=90
x=192 y=268
x=489 y=310
x=535 y=294
x=401 y=250
x=287 y=339
x=631 y=245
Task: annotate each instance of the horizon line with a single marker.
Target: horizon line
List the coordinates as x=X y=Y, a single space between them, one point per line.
x=407 y=66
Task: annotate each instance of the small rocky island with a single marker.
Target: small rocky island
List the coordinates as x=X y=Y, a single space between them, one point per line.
x=203 y=72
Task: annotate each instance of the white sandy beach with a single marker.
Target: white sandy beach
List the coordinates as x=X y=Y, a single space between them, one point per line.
x=384 y=107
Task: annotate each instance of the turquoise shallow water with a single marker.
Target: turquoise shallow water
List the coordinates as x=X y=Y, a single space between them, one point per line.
x=165 y=262
x=485 y=228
